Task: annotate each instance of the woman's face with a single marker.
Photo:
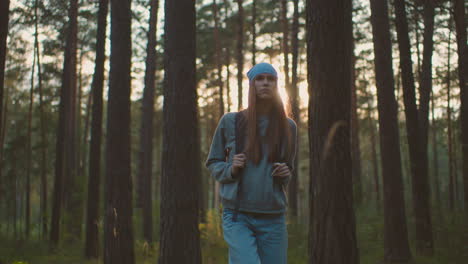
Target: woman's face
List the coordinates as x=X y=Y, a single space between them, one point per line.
x=265 y=86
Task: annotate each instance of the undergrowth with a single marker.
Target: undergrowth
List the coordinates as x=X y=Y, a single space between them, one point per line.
x=450 y=235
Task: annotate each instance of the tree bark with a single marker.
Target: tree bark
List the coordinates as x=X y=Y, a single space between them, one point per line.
x=180 y=185
x=254 y=32
x=4 y=19
x=29 y=150
x=227 y=62
x=118 y=226
x=460 y=27
x=375 y=164
x=285 y=42
x=329 y=53
x=219 y=66
x=95 y=149
x=44 y=144
x=396 y=246
x=64 y=163
x=294 y=93
x=145 y=172
x=451 y=173
x=425 y=86
x=355 y=144
x=417 y=144
x=435 y=153
x=240 y=52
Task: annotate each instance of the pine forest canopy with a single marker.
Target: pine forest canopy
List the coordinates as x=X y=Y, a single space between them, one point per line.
x=100 y=99
x=268 y=40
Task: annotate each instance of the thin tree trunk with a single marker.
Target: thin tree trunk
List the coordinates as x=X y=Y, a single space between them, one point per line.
x=254 y=32
x=95 y=146
x=73 y=186
x=44 y=144
x=228 y=76
x=94 y=170
x=455 y=168
x=4 y=19
x=216 y=184
x=294 y=182
x=118 y=227
x=14 y=193
x=451 y=192
x=285 y=42
x=414 y=126
x=79 y=144
x=85 y=152
x=146 y=129
x=418 y=42
x=425 y=86
x=240 y=52
x=219 y=66
x=4 y=111
x=396 y=246
x=65 y=141
x=332 y=225
x=375 y=164
x=355 y=144
x=227 y=54
x=29 y=151
x=180 y=185
x=435 y=157
x=460 y=26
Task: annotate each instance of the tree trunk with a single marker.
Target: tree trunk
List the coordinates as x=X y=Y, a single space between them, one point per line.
x=43 y=129
x=460 y=26
x=228 y=76
x=396 y=246
x=219 y=66
x=227 y=62
x=451 y=173
x=14 y=194
x=3 y=131
x=329 y=39
x=29 y=150
x=95 y=149
x=240 y=52
x=425 y=85
x=294 y=182
x=80 y=97
x=254 y=32
x=84 y=154
x=355 y=145
x=417 y=144
x=180 y=185
x=118 y=226
x=146 y=129
x=375 y=164
x=285 y=42
x=4 y=19
x=64 y=162
x=4 y=194
x=435 y=157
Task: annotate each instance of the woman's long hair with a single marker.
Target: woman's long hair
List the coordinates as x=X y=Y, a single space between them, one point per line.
x=278 y=132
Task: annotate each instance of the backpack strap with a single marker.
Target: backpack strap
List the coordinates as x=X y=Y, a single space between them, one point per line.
x=240 y=137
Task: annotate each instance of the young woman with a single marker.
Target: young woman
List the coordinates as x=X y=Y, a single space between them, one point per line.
x=251 y=155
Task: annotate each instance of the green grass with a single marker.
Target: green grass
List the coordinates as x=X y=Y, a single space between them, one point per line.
x=450 y=233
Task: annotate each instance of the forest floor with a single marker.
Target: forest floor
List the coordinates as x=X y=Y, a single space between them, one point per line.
x=450 y=234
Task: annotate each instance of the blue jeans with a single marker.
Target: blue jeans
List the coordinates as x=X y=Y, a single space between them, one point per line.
x=255 y=238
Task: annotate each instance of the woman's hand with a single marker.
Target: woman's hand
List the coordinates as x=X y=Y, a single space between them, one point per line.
x=280 y=170
x=238 y=163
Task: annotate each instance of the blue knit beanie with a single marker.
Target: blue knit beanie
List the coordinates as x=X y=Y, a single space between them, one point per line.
x=261 y=68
